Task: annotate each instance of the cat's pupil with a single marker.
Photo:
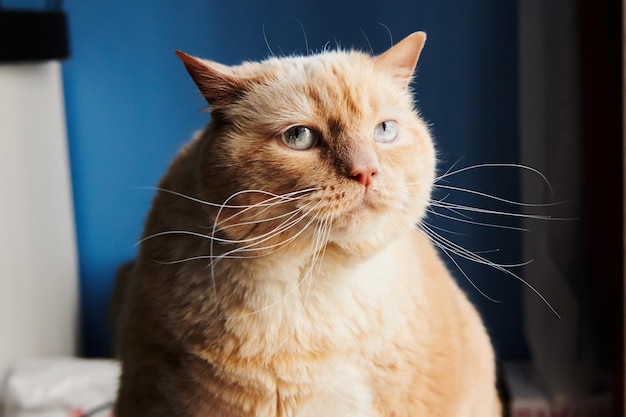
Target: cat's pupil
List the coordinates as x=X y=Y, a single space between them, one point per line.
x=386 y=131
x=297 y=132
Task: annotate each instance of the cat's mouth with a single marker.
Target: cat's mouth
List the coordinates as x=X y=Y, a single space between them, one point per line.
x=346 y=205
x=362 y=209
x=365 y=203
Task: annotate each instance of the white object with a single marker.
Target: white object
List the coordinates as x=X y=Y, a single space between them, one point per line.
x=38 y=261
x=52 y=387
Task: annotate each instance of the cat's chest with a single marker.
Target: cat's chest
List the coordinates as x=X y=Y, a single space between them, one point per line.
x=305 y=343
x=310 y=344
x=322 y=310
x=340 y=388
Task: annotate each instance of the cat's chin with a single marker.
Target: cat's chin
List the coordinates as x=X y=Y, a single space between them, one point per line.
x=364 y=224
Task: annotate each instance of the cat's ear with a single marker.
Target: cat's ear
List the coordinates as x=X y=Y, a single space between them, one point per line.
x=401 y=59
x=218 y=83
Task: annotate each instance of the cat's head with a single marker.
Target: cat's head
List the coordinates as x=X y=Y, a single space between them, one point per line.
x=335 y=134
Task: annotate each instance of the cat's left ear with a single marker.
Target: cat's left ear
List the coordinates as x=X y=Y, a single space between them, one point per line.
x=401 y=59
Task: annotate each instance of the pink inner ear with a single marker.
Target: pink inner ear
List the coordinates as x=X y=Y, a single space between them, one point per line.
x=401 y=59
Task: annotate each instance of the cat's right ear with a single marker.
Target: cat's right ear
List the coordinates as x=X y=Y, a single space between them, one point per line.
x=401 y=59
x=218 y=83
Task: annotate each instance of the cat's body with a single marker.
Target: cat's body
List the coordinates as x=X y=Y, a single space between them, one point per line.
x=325 y=300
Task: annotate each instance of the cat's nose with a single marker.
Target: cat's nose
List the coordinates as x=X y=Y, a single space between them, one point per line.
x=363 y=174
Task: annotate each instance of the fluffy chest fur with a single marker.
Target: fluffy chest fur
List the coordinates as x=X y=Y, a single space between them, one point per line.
x=328 y=342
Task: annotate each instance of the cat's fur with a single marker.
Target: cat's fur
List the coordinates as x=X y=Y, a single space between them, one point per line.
x=347 y=312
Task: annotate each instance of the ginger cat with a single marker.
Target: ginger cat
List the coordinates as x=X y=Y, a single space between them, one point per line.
x=281 y=272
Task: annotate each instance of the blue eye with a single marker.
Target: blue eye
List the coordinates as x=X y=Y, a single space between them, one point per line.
x=300 y=138
x=386 y=131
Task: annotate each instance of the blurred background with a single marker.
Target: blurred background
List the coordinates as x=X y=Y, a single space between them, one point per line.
x=500 y=83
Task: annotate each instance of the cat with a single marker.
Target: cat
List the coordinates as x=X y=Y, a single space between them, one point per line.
x=281 y=272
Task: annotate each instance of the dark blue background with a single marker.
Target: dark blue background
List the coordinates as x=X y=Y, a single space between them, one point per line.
x=131 y=105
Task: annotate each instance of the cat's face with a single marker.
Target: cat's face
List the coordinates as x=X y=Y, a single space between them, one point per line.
x=339 y=124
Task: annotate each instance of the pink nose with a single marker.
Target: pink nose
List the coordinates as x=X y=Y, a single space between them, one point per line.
x=364 y=174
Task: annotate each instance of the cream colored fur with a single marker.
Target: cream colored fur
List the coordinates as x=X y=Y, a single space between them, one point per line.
x=349 y=311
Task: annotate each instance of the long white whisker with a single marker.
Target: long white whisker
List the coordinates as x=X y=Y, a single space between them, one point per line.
x=443 y=248
x=388 y=32
x=292 y=214
x=295 y=288
x=461 y=207
x=492 y=165
x=468 y=254
x=284 y=226
x=223 y=205
x=306 y=41
x=445 y=174
x=493 y=197
x=321 y=237
x=458 y=213
x=441 y=200
x=499 y=226
x=183 y=232
x=445 y=230
x=266 y=219
x=267 y=204
x=368 y=41
x=231 y=254
x=267 y=42
x=499 y=267
x=216 y=221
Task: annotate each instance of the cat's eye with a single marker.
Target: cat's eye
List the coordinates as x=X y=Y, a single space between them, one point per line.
x=300 y=138
x=386 y=131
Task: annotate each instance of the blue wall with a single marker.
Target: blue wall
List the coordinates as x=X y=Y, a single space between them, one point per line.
x=131 y=105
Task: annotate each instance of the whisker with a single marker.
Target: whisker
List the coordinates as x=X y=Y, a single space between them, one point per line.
x=264 y=220
x=306 y=41
x=222 y=240
x=267 y=42
x=216 y=221
x=449 y=209
x=321 y=237
x=217 y=205
x=498 y=226
x=182 y=232
x=446 y=230
x=481 y=260
x=388 y=32
x=493 y=197
x=431 y=201
x=443 y=248
x=488 y=251
x=251 y=247
x=458 y=213
x=295 y=288
x=445 y=174
x=229 y=254
x=268 y=204
x=497 y=165
x=469 y=255
x=368 y=41
x=461 y=207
